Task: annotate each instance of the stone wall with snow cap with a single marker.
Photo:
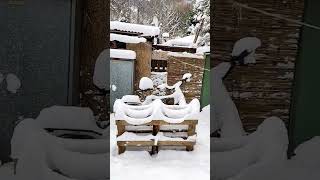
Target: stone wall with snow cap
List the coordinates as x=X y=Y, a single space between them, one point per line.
x=263 y=89
x=182 y=63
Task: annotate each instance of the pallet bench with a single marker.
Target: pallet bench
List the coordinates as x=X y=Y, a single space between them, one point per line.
x=155 y=144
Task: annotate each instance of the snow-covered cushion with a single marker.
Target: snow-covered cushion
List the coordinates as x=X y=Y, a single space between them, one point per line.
x=68 y=117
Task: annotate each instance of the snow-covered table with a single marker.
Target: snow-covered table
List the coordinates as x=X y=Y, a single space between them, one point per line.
x=165 y=125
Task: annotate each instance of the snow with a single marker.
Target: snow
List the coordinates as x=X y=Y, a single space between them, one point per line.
x=185 y=55
x=159 y=78
x=114 y=87
x=138 y=115
x=268 y=145
x=101 y=72
x=67 y=117
x=181 y=41
x=225 y=113
x=126 y=39
x=248 y=43
x=187 y=77
x=307 y=154
x=122 y=54
x=167 y=164
x=13 y=83
x=166 y=35
x=131 y=99
x=203 y=49
x=144 y=29
x=145 y=83
x=128 y=136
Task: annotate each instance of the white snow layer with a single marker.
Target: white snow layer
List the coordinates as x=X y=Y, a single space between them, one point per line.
x=265 y=146
x=101 y=72
x=114 y=87
x=126 y=39
x=305 y=165
x=181 y=41
x=145 y=83
x=40 y=153
x=122 y=54
x=167 y=164
x=67 y=117
x=144 y=29
x=185 y=55
x=13 y=83
x=138 y=115
x=187 y=76
x=203 y=49
x=225 y=113
x=248 y=43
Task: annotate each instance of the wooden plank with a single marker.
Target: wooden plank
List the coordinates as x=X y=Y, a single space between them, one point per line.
x=158 y=122
x=175 y=49
x=143 y=61
x=135 y=143
x=155 y=130
x=121 y=129
x=191 y=130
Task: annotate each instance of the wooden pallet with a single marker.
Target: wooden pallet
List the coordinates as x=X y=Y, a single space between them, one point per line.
x=122 y=145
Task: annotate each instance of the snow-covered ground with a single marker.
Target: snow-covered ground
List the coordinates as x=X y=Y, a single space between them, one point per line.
x=167 y=164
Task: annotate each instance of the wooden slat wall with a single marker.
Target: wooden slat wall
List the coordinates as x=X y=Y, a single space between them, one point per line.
x=264 y=89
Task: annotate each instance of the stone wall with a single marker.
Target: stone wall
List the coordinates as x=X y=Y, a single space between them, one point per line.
x=264 y=89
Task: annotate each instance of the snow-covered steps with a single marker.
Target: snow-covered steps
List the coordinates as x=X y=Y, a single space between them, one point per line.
x=156 y=137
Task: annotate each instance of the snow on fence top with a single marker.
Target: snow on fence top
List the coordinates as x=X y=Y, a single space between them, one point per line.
x=126 y=39
x=181 y=42
x=156 y=110
x=122 y=54
x=144 y=29
x=185 y=55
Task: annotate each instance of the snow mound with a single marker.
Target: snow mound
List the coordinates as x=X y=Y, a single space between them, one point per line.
x=122 y=54
x=181 y=41
x=13 y=83
x=138 y=115
x=67 y=117
x=126 y=39
x=187 y=77
x=101 y=72
x=185 y=55
x=225 y=113
x=131 y=99
x=308 y=153
x=145 y=83
x=248 y=43
x=144 y=29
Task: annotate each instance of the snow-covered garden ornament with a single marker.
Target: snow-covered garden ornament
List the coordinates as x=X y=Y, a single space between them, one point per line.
x=244 y=50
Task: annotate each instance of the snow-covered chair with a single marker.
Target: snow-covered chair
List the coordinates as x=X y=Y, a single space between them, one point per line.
x=268 y=144
x=41 y=155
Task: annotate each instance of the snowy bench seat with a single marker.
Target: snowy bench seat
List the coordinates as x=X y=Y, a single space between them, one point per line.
x=156 y=126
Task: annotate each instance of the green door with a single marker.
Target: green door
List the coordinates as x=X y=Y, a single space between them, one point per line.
x=205 y=92
x=305 y=116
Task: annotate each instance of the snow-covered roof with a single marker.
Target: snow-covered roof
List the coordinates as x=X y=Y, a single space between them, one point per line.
x=129 y=27
x=126 y=39
x=122 y=54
